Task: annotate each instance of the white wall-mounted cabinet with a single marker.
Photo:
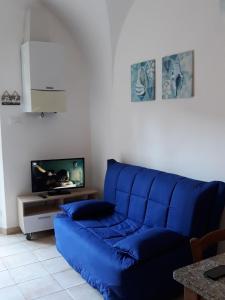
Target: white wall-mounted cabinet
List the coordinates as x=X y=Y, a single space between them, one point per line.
x=43 y=77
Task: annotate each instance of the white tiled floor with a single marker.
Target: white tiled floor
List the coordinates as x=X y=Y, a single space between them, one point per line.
x=18 y=260
x=68 y=278
x=35 y=270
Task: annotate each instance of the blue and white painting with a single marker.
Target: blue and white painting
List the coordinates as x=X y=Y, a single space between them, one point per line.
x=143 y=81
x=177 y=75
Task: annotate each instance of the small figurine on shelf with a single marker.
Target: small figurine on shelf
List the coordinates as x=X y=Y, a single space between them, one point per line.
x=6 y=98
x=15 y=98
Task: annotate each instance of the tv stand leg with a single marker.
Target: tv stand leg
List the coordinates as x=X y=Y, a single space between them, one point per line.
x=29 y=236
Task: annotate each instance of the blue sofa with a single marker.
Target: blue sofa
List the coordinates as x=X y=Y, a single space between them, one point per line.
x=131 y=252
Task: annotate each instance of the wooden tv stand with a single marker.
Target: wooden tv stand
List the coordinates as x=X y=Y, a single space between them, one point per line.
x=36 y=211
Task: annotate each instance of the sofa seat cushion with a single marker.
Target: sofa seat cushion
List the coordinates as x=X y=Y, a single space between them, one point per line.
x=149 y=243
x=88 y=254
x=87 y=209
x=113 y=234
x=112 y=228
x=103 y=221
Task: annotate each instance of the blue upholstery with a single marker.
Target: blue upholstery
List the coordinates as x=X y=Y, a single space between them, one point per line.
x=149 y=243
x=85 y=209
x=131 y=253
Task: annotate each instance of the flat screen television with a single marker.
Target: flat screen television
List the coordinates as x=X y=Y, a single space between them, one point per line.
x=57 y=175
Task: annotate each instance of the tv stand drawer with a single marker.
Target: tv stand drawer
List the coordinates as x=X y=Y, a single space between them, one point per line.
x=40 y=222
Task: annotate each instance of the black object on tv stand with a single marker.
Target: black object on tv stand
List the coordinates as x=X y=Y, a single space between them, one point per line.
x=59 y=192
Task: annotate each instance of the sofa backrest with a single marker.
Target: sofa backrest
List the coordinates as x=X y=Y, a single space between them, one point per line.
x=187 y=206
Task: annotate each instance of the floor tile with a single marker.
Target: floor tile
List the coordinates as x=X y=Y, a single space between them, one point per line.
x=39 y=287
x=58 y=296
x=21 y=236
x=40 y=243
x=18 y=260
x=8 y=240
x=68 y=278
x=2 y=266
x=55 y=265
x=5 y=279
x=46 y=253
x=11 y=293
x=12 y=249
x=84 y=292
x=28 y=272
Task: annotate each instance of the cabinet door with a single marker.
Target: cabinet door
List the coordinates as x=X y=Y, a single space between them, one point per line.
x=48 y=101
x=46 y=66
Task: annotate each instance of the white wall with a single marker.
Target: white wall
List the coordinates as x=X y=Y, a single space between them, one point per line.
x=2 y=188
x=185 y=136
x=89 y=22
x=26 y=136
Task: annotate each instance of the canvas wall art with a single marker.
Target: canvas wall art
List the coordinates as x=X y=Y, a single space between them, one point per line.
x=177 y=75
x=143 y=81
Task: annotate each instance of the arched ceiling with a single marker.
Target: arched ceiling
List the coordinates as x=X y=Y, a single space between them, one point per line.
x=82 y=19
x=95 y=24
x=117 y=11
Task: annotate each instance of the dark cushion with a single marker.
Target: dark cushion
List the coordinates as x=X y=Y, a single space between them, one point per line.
x=150 y=243
x=87 y=209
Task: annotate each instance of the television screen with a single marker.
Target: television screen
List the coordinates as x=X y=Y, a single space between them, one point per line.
x=57 y=174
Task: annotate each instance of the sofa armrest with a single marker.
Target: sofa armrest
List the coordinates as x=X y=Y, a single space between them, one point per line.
x=86 y=209
x=150 y=243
